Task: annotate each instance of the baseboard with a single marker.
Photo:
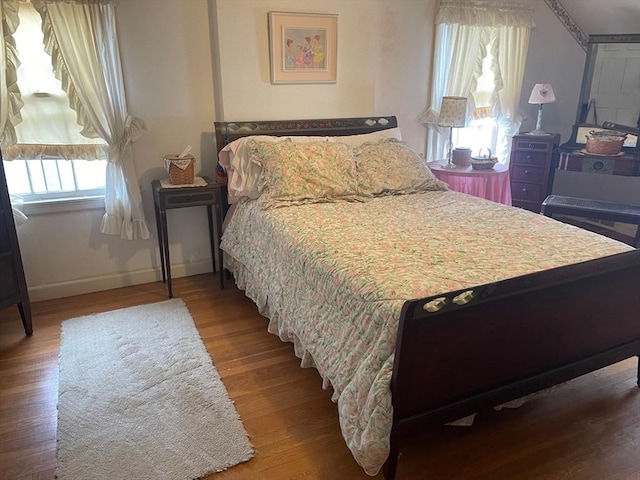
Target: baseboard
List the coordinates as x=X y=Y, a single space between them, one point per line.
x=109 y=282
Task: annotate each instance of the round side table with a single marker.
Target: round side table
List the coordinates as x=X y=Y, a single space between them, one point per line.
x=492 y=184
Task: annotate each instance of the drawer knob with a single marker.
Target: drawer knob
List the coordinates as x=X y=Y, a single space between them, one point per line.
x=531 y=145
x=525 y=191
x=529 y=157
x=526 y=172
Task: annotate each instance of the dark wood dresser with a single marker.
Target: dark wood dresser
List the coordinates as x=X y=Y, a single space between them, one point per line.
x=13 y=286
x=533 y=159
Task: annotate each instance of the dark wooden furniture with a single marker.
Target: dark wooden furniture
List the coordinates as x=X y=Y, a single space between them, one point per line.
x=13 y=285
x=584 y=207
x=182 y=197
x=627 y=164
x=518 y=336
x=614 y=180
x=533 y=158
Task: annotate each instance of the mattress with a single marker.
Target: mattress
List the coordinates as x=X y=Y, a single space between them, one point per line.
x=332 y=279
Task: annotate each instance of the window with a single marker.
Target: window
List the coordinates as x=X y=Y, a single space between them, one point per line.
x=482 y=132
x=480 y=53
x=47 y=119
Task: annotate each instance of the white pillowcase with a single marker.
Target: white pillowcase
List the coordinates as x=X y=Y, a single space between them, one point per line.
x=355 y=141
x=243 y=175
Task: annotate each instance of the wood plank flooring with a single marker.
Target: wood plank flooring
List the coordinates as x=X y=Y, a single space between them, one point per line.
x=586 y=429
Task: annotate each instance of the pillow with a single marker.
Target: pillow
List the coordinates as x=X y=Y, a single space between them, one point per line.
x=300 y=173
x=391 y=167
x=242 y=174
x=358 y=140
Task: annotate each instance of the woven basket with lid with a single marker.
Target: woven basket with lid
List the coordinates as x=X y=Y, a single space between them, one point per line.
x=605 y=142
x=181 y=169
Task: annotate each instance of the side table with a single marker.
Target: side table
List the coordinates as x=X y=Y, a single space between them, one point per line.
x=492 y=184
x=166 y=198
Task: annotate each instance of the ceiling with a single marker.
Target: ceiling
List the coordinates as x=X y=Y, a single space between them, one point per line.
x=604 y=16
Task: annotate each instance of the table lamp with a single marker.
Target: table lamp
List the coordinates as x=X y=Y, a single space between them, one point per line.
x=542 y=93
x=453 y=113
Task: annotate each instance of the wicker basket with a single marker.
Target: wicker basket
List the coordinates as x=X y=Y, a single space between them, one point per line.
x=483 y=162
x=178 y=175
x=605 y=142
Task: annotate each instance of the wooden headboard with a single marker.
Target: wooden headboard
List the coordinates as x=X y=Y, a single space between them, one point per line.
x=227 y=132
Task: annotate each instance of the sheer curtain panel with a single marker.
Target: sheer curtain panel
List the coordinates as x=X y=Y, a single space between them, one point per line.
x=82 y=40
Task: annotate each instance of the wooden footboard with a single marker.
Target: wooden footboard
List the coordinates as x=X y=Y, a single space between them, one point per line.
x=469 y=350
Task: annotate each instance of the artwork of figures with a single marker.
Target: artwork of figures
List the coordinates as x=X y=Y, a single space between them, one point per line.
x=302 y=47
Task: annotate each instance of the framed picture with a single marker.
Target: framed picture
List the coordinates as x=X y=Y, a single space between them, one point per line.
x=303 y=47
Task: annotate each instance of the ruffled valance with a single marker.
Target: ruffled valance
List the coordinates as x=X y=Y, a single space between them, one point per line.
x=485 y=13
x=31 y=151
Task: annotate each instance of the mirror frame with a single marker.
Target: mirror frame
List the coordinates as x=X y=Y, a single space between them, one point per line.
x=583 y=101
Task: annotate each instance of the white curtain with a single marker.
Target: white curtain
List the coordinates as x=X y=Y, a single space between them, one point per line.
x=10 y=101
x=48 y=127
x=512 y=56
x=81 y=37
x=82 y=40
x=453 y=74
x=464 y=29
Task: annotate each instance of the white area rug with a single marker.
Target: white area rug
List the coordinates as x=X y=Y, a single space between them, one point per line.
x=139 y=398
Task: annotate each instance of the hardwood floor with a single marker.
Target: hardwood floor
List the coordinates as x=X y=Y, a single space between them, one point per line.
x=586 y=429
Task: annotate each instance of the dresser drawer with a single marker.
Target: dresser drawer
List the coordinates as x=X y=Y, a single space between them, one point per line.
x=528 y=173
x=533 y=145
x=531 y=158
x=528 y=191
x=189 y=199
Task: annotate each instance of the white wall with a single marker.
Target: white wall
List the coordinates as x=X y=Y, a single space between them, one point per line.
x=384 y=49
x=554 y=57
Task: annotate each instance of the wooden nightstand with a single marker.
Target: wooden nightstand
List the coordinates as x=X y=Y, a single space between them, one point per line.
x=533 y=158
x=182 y=197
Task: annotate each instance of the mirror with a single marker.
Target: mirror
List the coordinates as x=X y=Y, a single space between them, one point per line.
x=610 y=94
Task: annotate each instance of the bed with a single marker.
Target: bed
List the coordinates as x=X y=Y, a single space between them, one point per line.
x=423 y=306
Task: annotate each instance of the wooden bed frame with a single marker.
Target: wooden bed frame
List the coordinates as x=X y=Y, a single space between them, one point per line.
x=517 y=336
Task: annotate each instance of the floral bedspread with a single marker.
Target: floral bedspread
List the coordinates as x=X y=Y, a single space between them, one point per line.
x=332 y=279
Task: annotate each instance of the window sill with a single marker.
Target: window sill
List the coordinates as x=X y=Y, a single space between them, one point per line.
x=44 y=207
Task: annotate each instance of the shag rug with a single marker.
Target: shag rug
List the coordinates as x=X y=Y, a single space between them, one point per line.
x=139 y=398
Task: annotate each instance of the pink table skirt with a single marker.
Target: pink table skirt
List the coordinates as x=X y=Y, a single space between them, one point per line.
x=490 y=184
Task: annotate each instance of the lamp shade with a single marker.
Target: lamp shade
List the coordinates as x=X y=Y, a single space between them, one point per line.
x=542 y=93
x=453 y=112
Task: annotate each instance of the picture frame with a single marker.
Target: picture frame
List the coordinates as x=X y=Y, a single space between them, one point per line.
x=303 y=47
